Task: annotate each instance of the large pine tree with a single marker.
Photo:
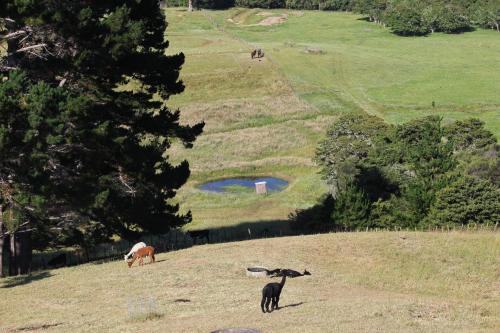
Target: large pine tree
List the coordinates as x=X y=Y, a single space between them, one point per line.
x=81 y=157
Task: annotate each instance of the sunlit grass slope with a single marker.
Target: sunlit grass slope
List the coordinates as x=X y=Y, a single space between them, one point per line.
x=360 y=282
x=264 y=117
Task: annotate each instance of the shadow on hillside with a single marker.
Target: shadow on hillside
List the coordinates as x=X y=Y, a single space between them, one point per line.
x=249 y=230
x=175 y=240
x=364 y=18
x=15 y=281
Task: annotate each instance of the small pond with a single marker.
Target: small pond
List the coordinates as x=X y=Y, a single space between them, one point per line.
x=244 y=185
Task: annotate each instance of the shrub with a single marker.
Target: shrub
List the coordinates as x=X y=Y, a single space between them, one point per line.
x=351 y=209
x=468 y=200
x=213 y=4
x=405 y=18
x=452 y=19
x=260 y=3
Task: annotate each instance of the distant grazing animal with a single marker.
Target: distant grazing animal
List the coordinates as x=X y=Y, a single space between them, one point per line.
x=134 y=249
x=147 y=251
x=257 y=53
x=292 y=274
x=199 y=234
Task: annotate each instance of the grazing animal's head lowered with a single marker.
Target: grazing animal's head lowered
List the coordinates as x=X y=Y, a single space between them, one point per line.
x=147 y=251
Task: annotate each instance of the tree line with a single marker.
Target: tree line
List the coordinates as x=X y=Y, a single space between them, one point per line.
x=83 y=160
x=414 y=175
x=403 y=17
x=421 y=17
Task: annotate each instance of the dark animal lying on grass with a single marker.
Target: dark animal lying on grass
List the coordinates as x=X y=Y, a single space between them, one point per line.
x=272 y=292
x=288 y=272
x=292 y=274
x=273 y=272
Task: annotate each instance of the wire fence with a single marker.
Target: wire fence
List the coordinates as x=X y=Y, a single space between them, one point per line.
x=177 y=239
x=171 y=241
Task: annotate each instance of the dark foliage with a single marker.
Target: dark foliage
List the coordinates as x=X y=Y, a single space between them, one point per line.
x=212 y=4
x=79 y=158
x=412 y=175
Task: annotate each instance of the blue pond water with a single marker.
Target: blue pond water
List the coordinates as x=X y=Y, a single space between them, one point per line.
x=272 y=184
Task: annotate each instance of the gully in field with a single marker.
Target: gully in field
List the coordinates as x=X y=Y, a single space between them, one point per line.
x=134 y=249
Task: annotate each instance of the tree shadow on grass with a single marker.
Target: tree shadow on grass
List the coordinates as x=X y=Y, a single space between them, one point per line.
x=364 y=18
x=15 y=281
x=250 y=230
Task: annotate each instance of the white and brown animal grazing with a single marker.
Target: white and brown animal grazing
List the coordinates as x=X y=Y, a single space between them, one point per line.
x=140 y=254
x=136 y=247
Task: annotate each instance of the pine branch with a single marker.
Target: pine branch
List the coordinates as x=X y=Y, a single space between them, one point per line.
x=13 y=35
x=27 y=48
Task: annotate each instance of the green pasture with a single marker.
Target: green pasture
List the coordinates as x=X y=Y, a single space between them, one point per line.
x=265 y=116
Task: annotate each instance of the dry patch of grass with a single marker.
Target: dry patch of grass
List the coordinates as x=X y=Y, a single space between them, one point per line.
x=273 y=20
x=361 y=282
x=231 y=114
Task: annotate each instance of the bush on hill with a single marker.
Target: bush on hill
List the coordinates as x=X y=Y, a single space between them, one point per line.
x=213 y=4
x=416 y=174
x=260 y=3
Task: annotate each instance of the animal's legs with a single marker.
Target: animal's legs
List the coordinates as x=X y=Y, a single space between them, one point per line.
x=262 y=304
x=275 y=303
x=268 y=301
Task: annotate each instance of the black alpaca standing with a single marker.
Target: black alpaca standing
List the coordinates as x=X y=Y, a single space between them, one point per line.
x=272 y=291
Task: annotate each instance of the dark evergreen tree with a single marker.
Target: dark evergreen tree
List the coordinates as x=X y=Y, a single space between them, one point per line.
x=427 y=158
x=351 y=209
x=469 y=134
x=347 y=144
x=81 y=157
x=405 y=18
x=468 y=200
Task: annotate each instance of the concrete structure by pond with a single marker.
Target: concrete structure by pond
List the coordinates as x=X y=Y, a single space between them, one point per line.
x=242 y=185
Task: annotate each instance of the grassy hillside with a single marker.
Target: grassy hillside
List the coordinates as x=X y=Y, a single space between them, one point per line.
x=360 y=282
x=264 y=117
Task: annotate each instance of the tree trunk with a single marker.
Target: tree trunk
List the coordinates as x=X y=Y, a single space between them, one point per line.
x=1 y=242
x=20 y=253
x=190 y=5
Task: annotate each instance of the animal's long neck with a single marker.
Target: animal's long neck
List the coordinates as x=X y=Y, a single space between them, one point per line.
x=132 y=261
x=282 y=283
